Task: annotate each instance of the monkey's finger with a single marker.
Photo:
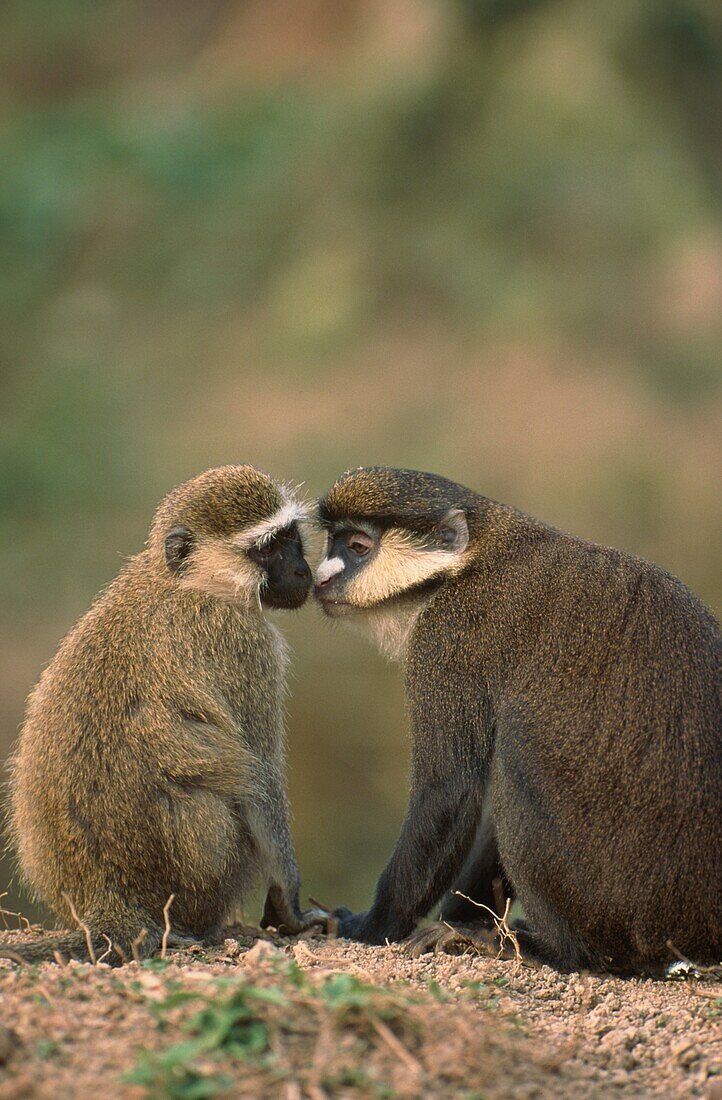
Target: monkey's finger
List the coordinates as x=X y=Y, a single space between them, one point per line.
x=443 y=937
x=316 y=916
x=423 y=940
x=175 y=939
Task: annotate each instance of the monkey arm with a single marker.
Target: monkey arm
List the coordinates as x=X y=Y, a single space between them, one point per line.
x=436 y=835
x=270 y=819
x=252 y=779
x=270 y=815
x=452 y=740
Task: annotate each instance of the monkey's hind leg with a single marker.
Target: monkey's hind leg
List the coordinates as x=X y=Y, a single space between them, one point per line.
x=515 y=942
x=481 y=889
x=114 y=940
x=468 y=914
x=444 y=938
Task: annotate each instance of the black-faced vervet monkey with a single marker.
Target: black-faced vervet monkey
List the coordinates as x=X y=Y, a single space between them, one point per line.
x=151 y=760
x=566 y=723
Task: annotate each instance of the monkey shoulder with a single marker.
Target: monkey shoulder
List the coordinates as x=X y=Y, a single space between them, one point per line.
x=444 y=648
x=618 y=596
x=147 y=652
x=100 y=650
x=545 y=599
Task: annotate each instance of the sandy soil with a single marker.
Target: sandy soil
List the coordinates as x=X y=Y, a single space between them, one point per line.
x=322 y=1018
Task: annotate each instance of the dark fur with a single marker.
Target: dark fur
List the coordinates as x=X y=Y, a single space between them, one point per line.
x=576 y=690
x=151 y=761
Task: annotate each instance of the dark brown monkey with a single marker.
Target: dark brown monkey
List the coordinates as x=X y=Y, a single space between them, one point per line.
x=151 y=760
x=566 y=724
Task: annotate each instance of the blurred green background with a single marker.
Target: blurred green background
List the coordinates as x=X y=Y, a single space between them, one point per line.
x=481 y=237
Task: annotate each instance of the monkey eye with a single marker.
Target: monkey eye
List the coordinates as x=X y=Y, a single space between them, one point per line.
x=360 y=544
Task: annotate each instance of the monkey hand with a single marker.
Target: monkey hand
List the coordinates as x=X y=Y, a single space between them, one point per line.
x=311 y=918
x=357 y=926
x=287 y=918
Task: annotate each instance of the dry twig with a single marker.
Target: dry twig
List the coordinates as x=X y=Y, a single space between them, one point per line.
x=316 y=904
x=166 y=928
x=396 y=1047
x=108 y=949
x=136 y=944
x=83 y=926
x=697 y=970
x=8 y=953
x=24 y=924
x=502 y=927
x=680 y=956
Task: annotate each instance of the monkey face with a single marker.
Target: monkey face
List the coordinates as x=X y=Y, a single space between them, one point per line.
x=393 y=537
x=349 y=549
x=217 y=551
x=367 y=565
x=287 y=577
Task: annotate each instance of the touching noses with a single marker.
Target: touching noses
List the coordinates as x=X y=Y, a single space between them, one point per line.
x=327 y=570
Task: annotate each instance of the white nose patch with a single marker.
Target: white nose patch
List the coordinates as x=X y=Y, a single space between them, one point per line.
x=329 y=567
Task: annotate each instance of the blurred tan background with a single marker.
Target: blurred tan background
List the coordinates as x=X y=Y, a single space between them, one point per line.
x=481 y=237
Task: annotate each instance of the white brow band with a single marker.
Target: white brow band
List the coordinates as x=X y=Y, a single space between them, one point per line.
x=329 y=567
x=291 y=512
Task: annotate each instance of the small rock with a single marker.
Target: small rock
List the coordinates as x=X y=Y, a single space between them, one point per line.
x=232 y=948
x=261 y=950
x=303 y=954
x=684 y=1052
x=631 y=1038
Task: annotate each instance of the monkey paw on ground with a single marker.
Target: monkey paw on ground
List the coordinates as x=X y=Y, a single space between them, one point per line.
x=359 y=927
x=312 y=920
x=443 y=937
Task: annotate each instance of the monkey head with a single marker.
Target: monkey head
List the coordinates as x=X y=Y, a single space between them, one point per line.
x=391 y=534
x=234 y=533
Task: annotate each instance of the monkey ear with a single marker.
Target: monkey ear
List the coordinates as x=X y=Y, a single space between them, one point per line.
x=178 y=545
x=454 y=531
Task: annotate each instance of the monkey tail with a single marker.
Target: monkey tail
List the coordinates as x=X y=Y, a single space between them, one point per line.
x=115 y=946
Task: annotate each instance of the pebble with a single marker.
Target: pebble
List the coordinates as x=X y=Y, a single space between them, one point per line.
x=261 y=950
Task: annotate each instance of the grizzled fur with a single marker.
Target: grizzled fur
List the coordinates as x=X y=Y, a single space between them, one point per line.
x=151 y=761
x=570 y=694
x=414 y=502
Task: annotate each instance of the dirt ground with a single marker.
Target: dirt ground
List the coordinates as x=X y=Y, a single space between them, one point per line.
x=325 y=1018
